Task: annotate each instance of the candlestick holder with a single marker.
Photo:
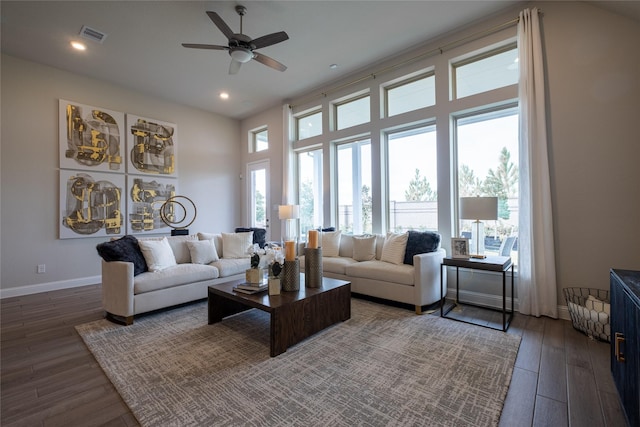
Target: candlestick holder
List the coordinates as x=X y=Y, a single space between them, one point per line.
x=313 y=267
x=291 y=275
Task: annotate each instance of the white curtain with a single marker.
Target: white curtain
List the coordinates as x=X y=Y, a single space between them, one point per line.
x=537 y=293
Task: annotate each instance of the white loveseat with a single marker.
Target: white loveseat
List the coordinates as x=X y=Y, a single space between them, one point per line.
x=417 y=284
x=125 y=294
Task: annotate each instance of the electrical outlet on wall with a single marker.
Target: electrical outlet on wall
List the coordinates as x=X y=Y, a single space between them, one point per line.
x=41 y=268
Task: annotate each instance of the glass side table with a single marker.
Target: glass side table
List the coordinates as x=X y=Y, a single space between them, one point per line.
x=498 y=264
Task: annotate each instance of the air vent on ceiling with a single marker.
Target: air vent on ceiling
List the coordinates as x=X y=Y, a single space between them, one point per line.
x=92 y=34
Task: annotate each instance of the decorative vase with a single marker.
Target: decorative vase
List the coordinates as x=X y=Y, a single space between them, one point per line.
x=274 y=286
x=313 y=267
x=254 y=276
x=291 y=275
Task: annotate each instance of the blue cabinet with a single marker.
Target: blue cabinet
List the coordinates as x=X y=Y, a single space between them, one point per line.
x=625 y=346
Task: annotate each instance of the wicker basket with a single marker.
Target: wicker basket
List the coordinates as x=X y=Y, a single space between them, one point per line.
x=589 y=315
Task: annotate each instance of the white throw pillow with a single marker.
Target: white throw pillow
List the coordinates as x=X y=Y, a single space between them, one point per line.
x=157 y=254
x=394 y=248
x=364 y=248
x=236 y=245
x=331 y=243
x=203 y=251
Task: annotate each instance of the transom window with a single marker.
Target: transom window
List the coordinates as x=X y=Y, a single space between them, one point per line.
x=485 y=72
x=260 y=140
x=412 y=95
x=353 y=112
x=309 y=125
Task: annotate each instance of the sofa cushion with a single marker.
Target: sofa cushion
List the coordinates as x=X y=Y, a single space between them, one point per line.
x=124 y=249
x=179 y=247
x=169 y=277
x=202 y=251
x=331 y=244
x=228 y=267
x=382 y=271
x=364 y=248
x=259 y=235
x=336 y=265
x=235 y=245
x=394 y=248
x=420 y=242
x=157 y=254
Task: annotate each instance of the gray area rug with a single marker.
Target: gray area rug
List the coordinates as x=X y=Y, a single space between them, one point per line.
x=385 y=366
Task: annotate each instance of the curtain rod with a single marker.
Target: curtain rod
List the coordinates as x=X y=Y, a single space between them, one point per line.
x=432 y=52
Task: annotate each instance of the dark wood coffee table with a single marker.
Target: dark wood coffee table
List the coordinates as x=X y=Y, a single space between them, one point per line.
x=294 y=315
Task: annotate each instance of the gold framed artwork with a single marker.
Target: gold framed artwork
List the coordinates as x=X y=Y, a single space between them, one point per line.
x=90 y=137
x=91 y=204
x=145 y=197
x=151 y=147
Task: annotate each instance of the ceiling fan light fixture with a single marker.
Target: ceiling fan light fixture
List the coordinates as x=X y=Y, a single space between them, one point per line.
x=241 y=55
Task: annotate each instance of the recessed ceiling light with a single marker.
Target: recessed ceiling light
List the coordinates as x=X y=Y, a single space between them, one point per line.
x=333 y=66
x=224 y=95
x=78 y=46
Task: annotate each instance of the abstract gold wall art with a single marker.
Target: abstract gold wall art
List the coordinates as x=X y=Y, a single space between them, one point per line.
x=91 y=204
x=90 y=138
x=151 y=146
x=146 y=195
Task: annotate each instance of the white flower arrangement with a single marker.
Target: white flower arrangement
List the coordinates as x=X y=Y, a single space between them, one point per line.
x=270 y=257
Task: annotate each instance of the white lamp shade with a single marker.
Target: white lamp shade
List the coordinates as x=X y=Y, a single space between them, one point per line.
x=479 y=208
x=289 y=211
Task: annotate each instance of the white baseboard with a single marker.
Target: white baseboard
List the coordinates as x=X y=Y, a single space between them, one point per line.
x=495 y=301
x=50 y=286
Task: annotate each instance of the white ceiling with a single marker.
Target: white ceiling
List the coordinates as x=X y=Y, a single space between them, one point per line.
x=143 y=51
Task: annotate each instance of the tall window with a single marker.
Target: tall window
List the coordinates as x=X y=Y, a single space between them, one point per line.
x=310 y=190
x=259 y=140
x=354 y=187
x=487 y=156
x=412 y=179
x=353 y=112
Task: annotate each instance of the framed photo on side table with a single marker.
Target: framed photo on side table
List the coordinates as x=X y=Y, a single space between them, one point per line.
x=460 y=247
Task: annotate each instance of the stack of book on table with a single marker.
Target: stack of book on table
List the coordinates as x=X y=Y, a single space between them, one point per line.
x=251 y=288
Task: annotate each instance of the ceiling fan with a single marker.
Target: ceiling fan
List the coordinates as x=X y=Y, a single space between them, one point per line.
x=241 y=47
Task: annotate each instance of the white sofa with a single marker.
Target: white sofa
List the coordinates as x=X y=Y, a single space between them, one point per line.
x=125 y=295
x=417 y=284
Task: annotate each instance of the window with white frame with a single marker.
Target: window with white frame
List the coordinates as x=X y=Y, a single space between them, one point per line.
x=485 y=72
x=310 y=189
x=410 y=95
x=353 y=112
x=259 y=140
x=354 y=187
x=385 y=167
x=308 y=125
x=412 y=180
x=487 y=159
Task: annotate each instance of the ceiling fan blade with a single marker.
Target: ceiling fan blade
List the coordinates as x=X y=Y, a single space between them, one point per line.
x=222 y=26
x=269 y=62
x=234 y=67
x=270 y=39
x=205 y=46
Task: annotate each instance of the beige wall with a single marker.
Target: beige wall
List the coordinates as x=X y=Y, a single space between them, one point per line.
x=208 y=166
x=593 y=64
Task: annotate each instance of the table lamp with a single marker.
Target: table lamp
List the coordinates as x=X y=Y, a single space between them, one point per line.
x=478 y=209
x=289 y=213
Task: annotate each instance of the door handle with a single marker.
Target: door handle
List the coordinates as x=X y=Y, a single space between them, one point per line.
x=619 y=339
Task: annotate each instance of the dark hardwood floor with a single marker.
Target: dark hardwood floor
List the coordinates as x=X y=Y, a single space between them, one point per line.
x=49 y=378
